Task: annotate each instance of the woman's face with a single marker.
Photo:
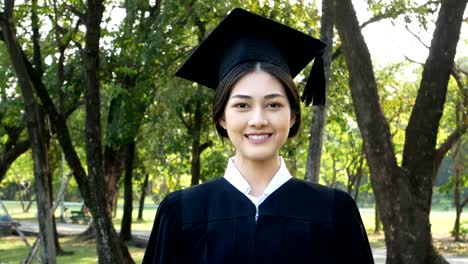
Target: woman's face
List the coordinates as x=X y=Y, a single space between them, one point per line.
x=257 y=117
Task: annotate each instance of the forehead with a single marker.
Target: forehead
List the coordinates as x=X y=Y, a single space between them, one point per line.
x=258 y=83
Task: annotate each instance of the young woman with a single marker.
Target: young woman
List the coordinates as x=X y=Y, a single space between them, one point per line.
x=257 y=212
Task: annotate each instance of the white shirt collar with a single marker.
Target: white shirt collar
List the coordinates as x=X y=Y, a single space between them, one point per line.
x=233 y=176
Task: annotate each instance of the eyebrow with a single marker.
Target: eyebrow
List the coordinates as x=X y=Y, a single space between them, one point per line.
x=268 y=96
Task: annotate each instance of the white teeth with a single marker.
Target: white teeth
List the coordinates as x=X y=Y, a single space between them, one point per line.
x=257 y=136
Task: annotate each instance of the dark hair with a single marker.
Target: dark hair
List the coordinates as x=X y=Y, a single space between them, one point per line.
x=227 y=83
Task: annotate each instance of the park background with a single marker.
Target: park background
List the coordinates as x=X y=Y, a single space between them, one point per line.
x=87 y=90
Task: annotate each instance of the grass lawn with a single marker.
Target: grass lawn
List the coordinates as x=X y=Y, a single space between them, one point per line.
x=441 y=222
x=441 y=226
x=14 y=250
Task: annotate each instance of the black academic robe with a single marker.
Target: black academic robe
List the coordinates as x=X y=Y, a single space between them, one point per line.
x=298 y=223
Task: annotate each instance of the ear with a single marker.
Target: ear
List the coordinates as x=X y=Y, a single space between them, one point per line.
x=293 y=119
x=222 y=122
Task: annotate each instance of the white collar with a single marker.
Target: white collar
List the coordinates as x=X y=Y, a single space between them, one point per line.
x=233 y=176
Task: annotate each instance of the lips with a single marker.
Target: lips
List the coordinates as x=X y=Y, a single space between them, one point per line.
x=258 y=138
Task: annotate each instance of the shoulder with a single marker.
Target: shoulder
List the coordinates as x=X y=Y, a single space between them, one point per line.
x=321 y=200
x=195 y=202
x=302 y=200
x=304 y=190
x=344 y=206
x=195 y=193
x=203 y=191
x=319 y=192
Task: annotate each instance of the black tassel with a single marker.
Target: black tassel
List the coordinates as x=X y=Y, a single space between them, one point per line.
x=314 y=89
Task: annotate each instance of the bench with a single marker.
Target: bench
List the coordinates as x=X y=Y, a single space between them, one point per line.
x=80 y=216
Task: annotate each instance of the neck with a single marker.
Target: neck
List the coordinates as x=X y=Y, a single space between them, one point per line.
x=257 y=173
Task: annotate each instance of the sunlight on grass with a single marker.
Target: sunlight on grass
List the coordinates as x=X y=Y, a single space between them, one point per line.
x=441 y=222
x=14 y=250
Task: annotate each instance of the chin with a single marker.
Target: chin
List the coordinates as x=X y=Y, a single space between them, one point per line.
x=259 y=156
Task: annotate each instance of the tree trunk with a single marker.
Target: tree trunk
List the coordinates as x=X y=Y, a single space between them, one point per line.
x=334 y=174
x=457 y=157
x=358 y=180
x=195 y=168
x=317 y=127
x=48 y=231
x=377 y=221
x=403 y=195
x=58 y=248
x=126 y=226
x=196 y=152
x=456 y=192
x=143 y=196
x=113 y=168
x=115 y=203
x=36 y=131
x=37 y=61
x=109 y=247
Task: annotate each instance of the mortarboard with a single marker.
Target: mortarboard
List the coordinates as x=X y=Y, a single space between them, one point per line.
x=244 y=36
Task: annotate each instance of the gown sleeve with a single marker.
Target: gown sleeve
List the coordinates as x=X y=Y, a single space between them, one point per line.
x=162 y=247
x=352 y=244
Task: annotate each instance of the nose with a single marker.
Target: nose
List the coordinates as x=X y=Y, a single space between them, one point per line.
x=258 y=118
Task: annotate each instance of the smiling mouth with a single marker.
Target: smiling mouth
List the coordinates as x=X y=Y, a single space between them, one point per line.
x=257 y=137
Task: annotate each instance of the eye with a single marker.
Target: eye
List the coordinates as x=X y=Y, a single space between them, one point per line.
x=274 y=105
x=241 y=105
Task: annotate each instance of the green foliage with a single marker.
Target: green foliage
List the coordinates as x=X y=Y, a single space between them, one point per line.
x=463 y=230
x=142 y=48
x=408 y=10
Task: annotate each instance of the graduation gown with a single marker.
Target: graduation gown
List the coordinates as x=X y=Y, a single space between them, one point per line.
x=300 y=222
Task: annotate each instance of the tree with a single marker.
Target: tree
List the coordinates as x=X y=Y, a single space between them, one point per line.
x=109 y=247
x=36 y=131
x=458 y=182
x=126 y=226
x=403 y=193
x=144 y=188
x=458 y=157
x=319 y=112
x=192 y=114
x=12 y=128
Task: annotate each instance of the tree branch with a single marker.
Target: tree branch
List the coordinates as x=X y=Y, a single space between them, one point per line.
x=417 y=37
x=413 y=61
x=58 y=122
x=75 y=11
x=181 y=116
x=376 y=19
x=464 y=202
x=8 y=10
x=11 y=155
x=206 y=145
x=37 y=57
x=452 y=139
x=421 y=132
x=394 y=15
x=155 y=10
x=455 y=72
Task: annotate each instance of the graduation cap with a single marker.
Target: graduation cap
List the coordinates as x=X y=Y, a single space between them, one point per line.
x=243 y=37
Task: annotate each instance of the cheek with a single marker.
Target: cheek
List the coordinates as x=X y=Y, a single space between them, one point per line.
x=230 y=121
